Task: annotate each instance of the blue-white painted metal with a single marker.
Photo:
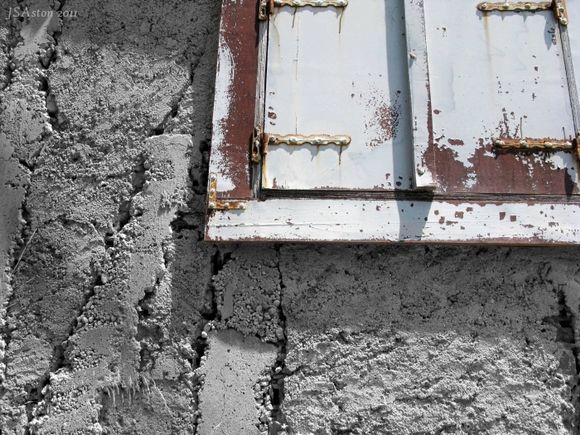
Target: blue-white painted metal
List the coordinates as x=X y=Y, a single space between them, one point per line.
x=496 y=74
x=437 y=221
x=473 y=78
x=420 y=92
x=339 y=71
x=573 y=39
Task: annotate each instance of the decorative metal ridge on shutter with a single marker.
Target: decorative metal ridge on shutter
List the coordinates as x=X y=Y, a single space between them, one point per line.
x=262 y=141
x=558 y=6
x=537 y=145
x=266 y=7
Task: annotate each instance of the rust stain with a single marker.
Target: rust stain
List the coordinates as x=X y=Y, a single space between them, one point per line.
x=493 y=172
x=214 y=203
x=511 y=173
x=459 y=215
x=386 y=118
x=455 y=142
x=502 y=215
x=429 y=156
x=239 y=32
x=450 y=173
x=272 y=115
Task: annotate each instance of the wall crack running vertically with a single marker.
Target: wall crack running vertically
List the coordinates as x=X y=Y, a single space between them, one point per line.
x=279 y=372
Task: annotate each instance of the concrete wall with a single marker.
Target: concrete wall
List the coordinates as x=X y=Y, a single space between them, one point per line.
x=116 y=318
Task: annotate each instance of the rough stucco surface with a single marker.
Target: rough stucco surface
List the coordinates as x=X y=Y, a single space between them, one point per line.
x=116 y=318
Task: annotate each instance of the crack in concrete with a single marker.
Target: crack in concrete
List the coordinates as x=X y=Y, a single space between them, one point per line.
x=145 y=330
x=172 y=114
x=566 y=330
x=279 y=372
x=160 y=129
x=14 y=38
x=127 y=207
x=38 y=394
x=124 y=217
x=17 y=256
x=46 y=58
x=12 y=42
x=219 y=260
x=567 y=334
x=180 y=223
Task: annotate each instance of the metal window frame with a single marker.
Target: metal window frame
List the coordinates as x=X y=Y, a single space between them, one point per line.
x=238 y=211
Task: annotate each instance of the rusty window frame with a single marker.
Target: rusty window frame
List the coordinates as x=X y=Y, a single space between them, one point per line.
x=239 y=211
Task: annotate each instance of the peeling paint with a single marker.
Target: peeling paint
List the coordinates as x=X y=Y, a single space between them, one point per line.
x=398 y=221
x=386 y=118
x=223 y=89
x=235 y=100
x=360 y=95
x=468 y=89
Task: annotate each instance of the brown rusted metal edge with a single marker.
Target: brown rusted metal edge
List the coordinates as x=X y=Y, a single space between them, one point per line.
x=239 y=33
x=501 y=242
x=418 y=195
x=214 y=203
